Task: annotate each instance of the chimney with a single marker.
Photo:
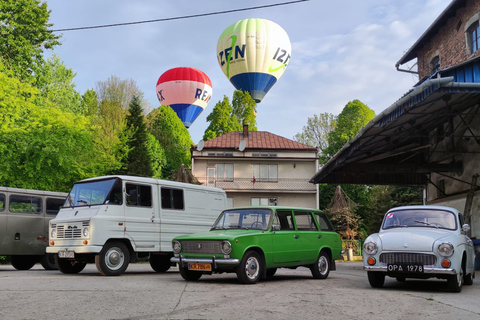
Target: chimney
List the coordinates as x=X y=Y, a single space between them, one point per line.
x=245 y=131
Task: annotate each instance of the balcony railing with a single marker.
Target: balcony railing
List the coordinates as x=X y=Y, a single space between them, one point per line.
x=249 y=184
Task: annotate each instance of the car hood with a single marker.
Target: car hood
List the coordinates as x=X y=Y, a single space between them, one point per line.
x=219 y=234
x=412 y=239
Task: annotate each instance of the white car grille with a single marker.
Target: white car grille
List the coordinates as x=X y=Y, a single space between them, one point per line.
x=414 y=258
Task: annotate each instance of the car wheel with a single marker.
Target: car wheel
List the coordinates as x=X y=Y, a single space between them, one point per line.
x=468 y=279
x=160 y=263
x=113 y=260
x=189 y=275
x=271 y=272
x=321 y=268
x=69 y=266
x=48 y=261
x=455 y=282
x=250 y=268
x=23 y=262
x=376 y=279
x=401 y=279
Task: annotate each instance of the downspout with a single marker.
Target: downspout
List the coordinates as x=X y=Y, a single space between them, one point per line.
x=397 y=65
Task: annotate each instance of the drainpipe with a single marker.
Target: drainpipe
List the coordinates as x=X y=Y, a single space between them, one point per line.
x=397 y=65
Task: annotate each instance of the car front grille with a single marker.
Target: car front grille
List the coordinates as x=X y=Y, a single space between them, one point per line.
x=71 y=230
x=415 y=258
x=202 y=247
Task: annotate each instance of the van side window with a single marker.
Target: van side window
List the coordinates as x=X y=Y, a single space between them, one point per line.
x=138 y=195
x=285 y=220
x=324 y=224
x=28 y=204
x=54 y=205
x=2 y=202
x=305 y=221
x=172 y=198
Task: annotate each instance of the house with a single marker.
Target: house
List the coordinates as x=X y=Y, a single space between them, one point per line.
x=258 y=168
x=431 y=135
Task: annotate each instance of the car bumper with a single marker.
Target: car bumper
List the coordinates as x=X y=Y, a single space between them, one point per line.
x=428 y=270
x=76 y=249
x=181 y=260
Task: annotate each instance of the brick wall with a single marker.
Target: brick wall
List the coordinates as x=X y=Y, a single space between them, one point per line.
x=449 y=43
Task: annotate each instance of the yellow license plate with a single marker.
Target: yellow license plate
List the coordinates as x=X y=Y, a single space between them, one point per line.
x=200 y=266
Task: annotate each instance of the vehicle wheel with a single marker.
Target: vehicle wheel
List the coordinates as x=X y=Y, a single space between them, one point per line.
x=189 y=275
x=271 y=272
x=321 y=268
x=376 y=279
x=250 y=268
x=113 y=260
x=23 y=262
x=69 y=266
x=468 y=279
x=48 y=261
x=160 y=263
x=455 y=282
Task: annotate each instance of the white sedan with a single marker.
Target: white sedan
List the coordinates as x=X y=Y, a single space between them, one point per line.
x=421 y=242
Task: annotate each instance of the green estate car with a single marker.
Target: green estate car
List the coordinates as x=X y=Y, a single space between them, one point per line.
x=254 y=241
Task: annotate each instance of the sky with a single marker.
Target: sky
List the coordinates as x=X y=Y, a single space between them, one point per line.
x=342 y=50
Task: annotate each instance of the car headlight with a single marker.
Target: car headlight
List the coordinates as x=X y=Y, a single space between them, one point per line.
x=86 y=232
x=370 y=248
x=226 y=247
x=53 y=233
x=177 y=246
x=445 y=249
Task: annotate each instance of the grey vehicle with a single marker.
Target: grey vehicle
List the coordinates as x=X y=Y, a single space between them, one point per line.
x=24 y=218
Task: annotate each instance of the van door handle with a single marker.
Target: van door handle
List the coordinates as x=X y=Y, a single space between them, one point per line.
x=296 y=236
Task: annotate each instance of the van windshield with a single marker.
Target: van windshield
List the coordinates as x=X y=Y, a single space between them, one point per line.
x=92 y=193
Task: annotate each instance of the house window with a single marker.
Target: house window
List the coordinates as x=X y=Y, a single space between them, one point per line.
x=473 y=35
x=224 y=171
x=434 y=64
x=264 y=201
x=265 y=172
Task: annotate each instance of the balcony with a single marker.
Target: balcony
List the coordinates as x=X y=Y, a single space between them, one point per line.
x=247 y=184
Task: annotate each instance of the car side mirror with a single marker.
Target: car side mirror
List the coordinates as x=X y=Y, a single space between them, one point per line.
x=465 y=228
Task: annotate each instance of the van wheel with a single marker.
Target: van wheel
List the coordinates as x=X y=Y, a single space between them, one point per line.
x=113 y=260
x=23 y=262
x=69 y=266
x=160 y=263
x=48 y=261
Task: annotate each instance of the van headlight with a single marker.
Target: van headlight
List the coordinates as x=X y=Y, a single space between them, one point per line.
x=445 y=249
x=176 y=246
x=86 y=232
x=226 y=247
x=370 y=248
x=53 y=233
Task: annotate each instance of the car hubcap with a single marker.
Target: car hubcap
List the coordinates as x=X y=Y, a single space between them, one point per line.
x=322 y=265
x=114 y=258
x=251 y=268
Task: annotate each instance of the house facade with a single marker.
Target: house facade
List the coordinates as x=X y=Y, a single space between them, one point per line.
x=258 y=168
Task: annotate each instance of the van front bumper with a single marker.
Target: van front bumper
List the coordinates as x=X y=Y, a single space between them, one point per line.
x=76 y=249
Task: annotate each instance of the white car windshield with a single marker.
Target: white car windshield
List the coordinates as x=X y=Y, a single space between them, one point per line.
x=420 y=218
x=243 y=219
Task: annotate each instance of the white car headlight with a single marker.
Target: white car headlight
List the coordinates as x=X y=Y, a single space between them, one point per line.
x=370 y=248
x=86 y=232
x=53 y=233
x=226 y=247
x=176 y=246
x=445 y=249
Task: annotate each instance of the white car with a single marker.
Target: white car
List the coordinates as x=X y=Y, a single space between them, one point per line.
x=421 y=242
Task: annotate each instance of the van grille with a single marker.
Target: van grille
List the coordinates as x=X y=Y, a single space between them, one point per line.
x=71 y=230
x=202 y=247
x=415 y=258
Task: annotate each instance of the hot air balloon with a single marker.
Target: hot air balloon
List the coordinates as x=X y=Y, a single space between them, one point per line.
x=186 y=90
x=253 y=54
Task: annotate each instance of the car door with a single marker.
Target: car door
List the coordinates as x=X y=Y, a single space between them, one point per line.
x=308 y=236
x=285 y=240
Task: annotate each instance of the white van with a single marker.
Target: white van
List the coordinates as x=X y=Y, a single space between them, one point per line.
x=24 y=217
x=113 y=220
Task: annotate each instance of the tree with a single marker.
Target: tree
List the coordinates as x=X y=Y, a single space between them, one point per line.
x=342 y=214
x=25 y=33
x=164 y=124
x=57 y=88
x=89 y=103
x=315 y=133
x=138 y=161
x=226 y=118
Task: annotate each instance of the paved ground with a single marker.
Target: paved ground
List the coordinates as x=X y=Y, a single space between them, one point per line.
x=291 y=294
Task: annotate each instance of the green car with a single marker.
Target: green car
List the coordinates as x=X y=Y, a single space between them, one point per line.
x=254 y=241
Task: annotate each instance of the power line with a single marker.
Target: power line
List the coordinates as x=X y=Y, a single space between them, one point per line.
x=178 y=18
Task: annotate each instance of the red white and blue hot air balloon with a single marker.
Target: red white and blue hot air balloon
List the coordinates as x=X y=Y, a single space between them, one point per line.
x=186 y=90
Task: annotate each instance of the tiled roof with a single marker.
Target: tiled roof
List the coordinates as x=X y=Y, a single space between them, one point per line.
x=255 y=140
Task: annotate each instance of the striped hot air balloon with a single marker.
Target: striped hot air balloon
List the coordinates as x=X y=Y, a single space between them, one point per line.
x=253 y=54
x=186 y=90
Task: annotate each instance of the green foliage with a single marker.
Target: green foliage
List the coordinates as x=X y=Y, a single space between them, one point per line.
x=227 y=117
x=138 y=161
x=89 y=103
x=164 y=124
x=57 y=88
x=315 y=133
x=157 y=156
x=24 y=30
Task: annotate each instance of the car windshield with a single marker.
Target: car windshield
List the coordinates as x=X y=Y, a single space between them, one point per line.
x=433 y=218
x=95 y=193
x=243 y=219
